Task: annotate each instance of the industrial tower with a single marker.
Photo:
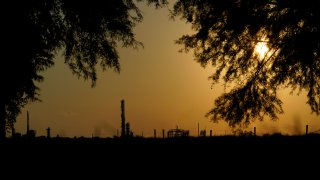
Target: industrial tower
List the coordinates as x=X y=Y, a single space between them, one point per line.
x=123 y=120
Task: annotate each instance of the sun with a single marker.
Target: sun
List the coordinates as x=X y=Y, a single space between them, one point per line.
x=261 y=49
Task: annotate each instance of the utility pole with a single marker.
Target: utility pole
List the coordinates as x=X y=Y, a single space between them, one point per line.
x=48 y=132
x=163 y=133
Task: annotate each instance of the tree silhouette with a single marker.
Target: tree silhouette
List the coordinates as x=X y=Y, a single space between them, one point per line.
x=227 y=33
x=88 y=32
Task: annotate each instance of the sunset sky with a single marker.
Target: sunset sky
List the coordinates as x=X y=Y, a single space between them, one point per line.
x=162 y=89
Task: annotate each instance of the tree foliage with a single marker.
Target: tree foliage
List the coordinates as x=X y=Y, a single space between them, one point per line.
x=88 y=31
x=226 y=35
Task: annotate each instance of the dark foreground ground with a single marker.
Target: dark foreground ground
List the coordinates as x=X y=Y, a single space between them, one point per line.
x=161 y=157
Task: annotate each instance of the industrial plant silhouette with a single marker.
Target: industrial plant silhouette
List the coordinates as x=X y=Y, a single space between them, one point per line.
x=174 y=149
x=176 y=132
x=170 y=136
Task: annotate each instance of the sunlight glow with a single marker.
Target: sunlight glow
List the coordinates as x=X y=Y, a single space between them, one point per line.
x=261 y=49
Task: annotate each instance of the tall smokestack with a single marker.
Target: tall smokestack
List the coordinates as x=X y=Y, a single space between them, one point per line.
x=123 y=120
x=128 y=131
x=28 y=122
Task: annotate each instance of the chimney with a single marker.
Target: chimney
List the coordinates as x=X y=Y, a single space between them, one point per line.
x=155 y=133
x=307 y=127
x=123 y=120
x=210 y=133
x=254 y=131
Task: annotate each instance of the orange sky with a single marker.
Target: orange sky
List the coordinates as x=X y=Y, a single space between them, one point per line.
x=162 y=89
